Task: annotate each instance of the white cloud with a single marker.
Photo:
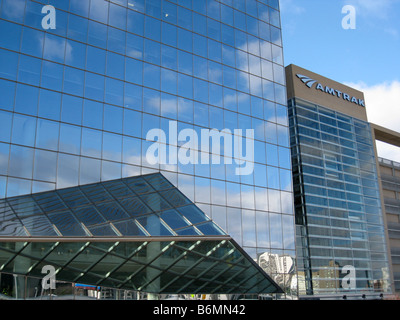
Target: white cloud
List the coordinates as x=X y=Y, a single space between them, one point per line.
x=383 y=103
x=383 y=108
x=56 y=48
x=376 y=8
x=388 y=151
x=13 y=9
x=378 y=15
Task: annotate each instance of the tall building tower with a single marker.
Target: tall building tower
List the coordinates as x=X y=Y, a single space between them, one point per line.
x=340 y=226
x=102 y=90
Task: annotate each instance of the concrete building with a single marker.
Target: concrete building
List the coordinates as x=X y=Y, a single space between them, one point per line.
x=389 y=174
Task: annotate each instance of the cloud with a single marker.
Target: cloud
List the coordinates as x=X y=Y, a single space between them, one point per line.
x=376 y=8
x=56 y=48
x=383 y=108
x=13 y=9
x=290 y=6
x=388 y=151
x=383 y=103
x=379 y=16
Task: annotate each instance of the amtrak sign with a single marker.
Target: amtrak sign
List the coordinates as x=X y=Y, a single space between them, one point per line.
x=328 y=90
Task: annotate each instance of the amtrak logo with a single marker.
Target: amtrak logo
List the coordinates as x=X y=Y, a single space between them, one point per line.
x=310 y=82
x=306 y=80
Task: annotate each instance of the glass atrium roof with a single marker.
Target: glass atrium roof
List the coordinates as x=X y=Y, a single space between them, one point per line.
x=139 y=233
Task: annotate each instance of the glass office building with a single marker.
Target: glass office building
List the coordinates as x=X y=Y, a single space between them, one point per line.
x=79 y=98
x=341 y=242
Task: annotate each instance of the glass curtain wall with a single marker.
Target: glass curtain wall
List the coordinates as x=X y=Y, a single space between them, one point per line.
x=77 y=104
x=339 y=224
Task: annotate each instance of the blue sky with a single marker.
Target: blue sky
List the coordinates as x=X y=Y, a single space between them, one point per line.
x=314 y=39
x=366 y=58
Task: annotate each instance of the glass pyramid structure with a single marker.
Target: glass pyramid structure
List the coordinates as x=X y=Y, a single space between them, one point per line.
x=138 y=233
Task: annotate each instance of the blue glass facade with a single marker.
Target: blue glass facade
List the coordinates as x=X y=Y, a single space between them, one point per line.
x=77 y=103
x=338 y=210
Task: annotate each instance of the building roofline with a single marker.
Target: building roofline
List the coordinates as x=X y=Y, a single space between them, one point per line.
x=386 y=135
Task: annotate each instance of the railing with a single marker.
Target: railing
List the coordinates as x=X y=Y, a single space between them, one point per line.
x=389 y=162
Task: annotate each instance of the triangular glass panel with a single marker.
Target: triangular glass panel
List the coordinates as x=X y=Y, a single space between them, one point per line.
x=136 y=233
